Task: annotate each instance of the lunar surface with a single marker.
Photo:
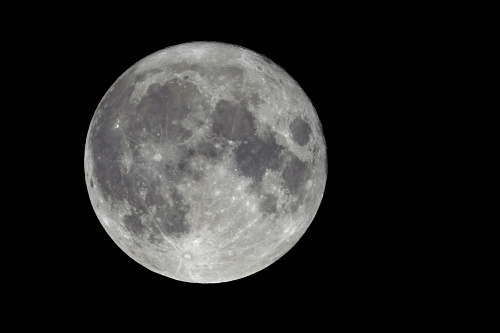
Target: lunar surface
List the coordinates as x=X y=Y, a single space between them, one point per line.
x=205 y=162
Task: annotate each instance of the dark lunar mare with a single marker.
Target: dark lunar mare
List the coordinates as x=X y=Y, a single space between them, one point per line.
x=207 y=149
x=268 y=203
x=233 y=121
x=106 y=144
x=254 y=155
x=155 y=121
x=300 y=131
x=295 y=176
x=161 y=110
x=170 y=217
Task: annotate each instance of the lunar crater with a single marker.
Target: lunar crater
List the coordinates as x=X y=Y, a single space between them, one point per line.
x=199 y=183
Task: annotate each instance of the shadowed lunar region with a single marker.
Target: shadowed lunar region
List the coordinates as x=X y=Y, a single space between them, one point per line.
x=205 y=162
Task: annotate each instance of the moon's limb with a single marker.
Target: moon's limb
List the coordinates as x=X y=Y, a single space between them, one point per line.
x=205 y=162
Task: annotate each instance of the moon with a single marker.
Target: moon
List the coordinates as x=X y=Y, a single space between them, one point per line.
x=205 y=162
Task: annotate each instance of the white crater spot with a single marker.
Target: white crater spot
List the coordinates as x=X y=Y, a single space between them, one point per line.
x=157 y=157
x=187 y=256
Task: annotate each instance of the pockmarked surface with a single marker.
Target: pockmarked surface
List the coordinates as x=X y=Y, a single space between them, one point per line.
x=205 y=162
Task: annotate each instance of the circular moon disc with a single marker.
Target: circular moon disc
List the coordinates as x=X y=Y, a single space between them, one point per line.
x=205 y=162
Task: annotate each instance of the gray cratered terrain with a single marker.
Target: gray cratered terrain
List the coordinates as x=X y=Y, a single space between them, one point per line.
x=205 y=162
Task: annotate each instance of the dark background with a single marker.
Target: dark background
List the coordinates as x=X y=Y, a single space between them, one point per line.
x=372 y=72
x=335 y=259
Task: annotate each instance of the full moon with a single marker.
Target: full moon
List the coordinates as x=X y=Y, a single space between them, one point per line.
x=205 y=162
